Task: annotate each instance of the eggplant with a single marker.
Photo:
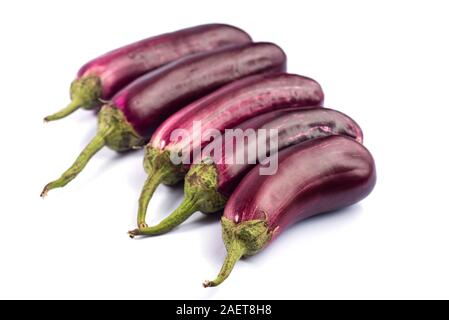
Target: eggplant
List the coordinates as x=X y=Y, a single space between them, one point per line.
x=225 y=108
x=314 y=177
x=104 y=76
x=212 y=178
x=135 y=111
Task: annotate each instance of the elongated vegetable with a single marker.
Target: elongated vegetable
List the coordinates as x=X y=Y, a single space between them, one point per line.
x=135 y=111
x=225 y=108
x=209 y=183
x=317 y=176
x=102 y=77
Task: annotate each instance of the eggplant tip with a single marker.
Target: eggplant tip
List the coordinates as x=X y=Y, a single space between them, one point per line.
x=132 y=233
x=44 y=192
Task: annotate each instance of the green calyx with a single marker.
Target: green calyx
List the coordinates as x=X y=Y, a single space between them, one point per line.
x=253 y=234
x=201 y=194
x=87 y=90
x=85 y=93
x=123 y=137
x=201 y=184
x=156 y=160
x=113 y=131
x=160 y=169
x=240 y=239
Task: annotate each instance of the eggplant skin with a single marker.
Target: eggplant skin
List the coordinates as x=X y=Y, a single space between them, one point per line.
x=119 y=67
x=152 y=98
x=313 y=177
x=240 y=101
x=293 y=126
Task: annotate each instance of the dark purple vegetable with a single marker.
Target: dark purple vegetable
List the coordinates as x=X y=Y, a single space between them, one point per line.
x=317 y=176
x=102 y=77
x=225 y=108
x=135 y=111
x=209 y=183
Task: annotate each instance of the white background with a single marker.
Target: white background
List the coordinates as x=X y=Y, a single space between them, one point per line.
x=385 y=63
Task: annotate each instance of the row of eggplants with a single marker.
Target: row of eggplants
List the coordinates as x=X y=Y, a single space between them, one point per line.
x=217 y=76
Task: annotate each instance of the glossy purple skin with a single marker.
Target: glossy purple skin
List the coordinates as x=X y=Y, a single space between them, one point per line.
x=152 y=98
x=314 y=177
x=236 y=103
x=119 y=67
x=293 y=126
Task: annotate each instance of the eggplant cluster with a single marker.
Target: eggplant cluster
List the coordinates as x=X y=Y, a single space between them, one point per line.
x=215 y=75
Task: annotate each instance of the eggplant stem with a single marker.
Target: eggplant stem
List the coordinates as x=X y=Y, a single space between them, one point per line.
x=84 y=92
x=236 y=250
x=150 y=186
x=72 y=107
x=184 y=211
x=89 y=151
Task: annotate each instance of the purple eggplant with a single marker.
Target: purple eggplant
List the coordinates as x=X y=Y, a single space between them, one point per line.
x=314 y=177
x=127 y=121
x=211 y=179
x=104 y=76
x=225 y=108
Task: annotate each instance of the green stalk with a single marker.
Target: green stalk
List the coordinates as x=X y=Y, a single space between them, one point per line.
x=85 y=92
x=72 y=107
x=160 y=169
x=240 y=239
x=184 y=211
x=89 y=151
x=236 y=250
x=113 y=131
x=152 y=182
x=200 y=189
